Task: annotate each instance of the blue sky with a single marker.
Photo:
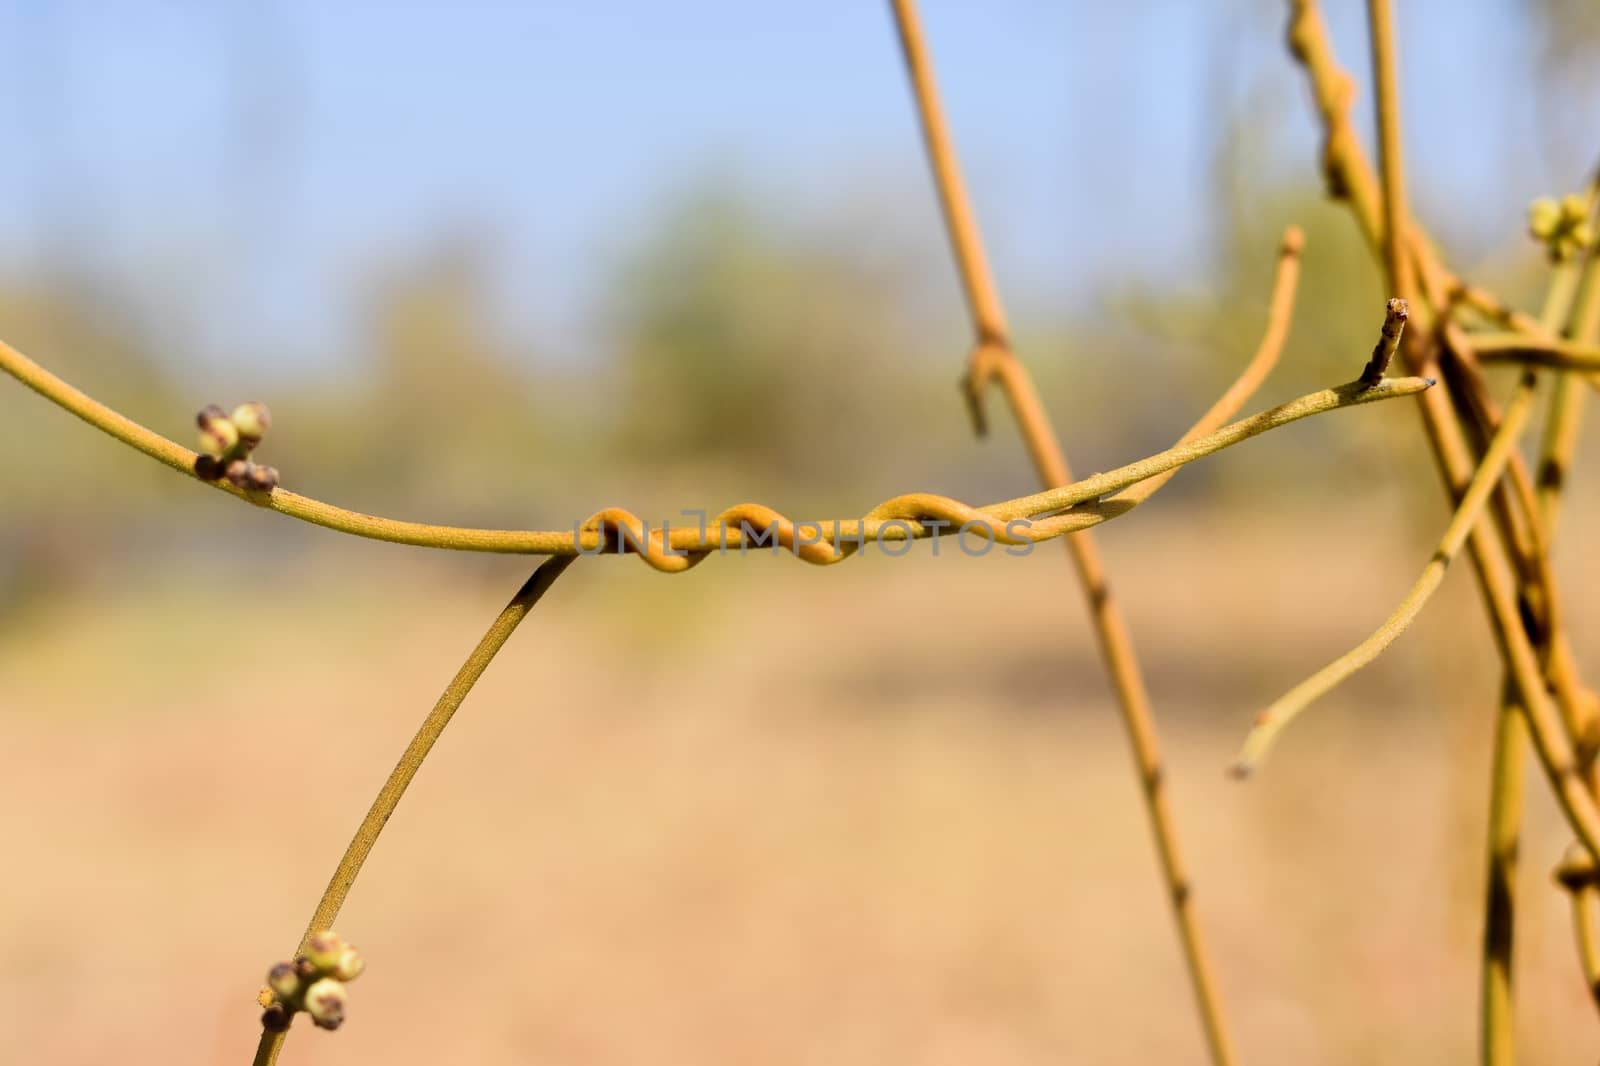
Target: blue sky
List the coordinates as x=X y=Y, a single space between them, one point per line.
x=237 y=169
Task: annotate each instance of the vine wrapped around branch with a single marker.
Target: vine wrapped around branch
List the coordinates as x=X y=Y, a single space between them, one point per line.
x=1026 y=519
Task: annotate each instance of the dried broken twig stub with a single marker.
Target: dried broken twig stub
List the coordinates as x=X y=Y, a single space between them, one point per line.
x=1394 y=324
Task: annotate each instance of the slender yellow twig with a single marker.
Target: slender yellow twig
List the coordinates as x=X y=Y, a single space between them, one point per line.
x=993 y=359
x=1489 y=306
x=1557 y=353
x=897 y=519
x=1344 y=163
x=433 y=726
x=1312 y=403
x=1350 y=176
x=1391 y=161
x=983 y=298
x=1286 y=277
x=1584 y=903
x=1515 y=508
x=1580 y=295
x=1280 y=308
x=1555 y=749
x=1270 y=722
x=1566 y=413
x=1578 y=875
x=1496 y=1032
x=1497 y=1043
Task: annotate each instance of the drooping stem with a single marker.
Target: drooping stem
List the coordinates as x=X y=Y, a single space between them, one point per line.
x=433 y=726
x=1270 y=722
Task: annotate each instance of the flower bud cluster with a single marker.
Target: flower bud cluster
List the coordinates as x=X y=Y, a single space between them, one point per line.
x=313 y=982
x=226 y=441
x=1561 y=225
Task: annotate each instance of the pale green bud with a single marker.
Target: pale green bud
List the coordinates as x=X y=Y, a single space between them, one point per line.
x=253 y=420
x=324 y=949
x=218 y=435
x=284 y=982
x=350 y=965
x=325 y=1001
x=1544 y=218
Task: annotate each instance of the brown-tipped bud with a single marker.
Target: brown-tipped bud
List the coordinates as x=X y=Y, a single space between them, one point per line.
x=253 y=420
x=275 y=1019
x=305 y=968
x=284 y=980
x=325 y=1002
x=1577 y=869
x=350 y=965
x=238 y=473
x=324 y=950
x=1544 y=218
x=218 y=435
x=261 y=478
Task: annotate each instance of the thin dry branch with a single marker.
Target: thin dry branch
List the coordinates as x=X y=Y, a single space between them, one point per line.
x=1391 y=159
x=1555 y=353
x=1270 y=722
x=1351 y=177
x=388 y=798
x=1493 y=550
x=1496 y=1008
x=1578 y=875
x=1497 y=1037
x=993 y=360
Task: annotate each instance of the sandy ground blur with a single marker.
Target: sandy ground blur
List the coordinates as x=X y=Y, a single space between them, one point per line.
x=760 y=813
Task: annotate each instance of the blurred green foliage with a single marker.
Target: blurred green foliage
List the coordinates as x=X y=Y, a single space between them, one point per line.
x=742 y=340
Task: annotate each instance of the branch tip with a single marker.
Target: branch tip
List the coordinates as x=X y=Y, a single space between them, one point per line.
x=1394 y=324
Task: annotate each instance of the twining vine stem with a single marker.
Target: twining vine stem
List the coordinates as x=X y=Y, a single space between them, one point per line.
x=912 y=516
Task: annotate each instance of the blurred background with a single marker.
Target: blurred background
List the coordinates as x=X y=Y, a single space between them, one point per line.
x=498 y=265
